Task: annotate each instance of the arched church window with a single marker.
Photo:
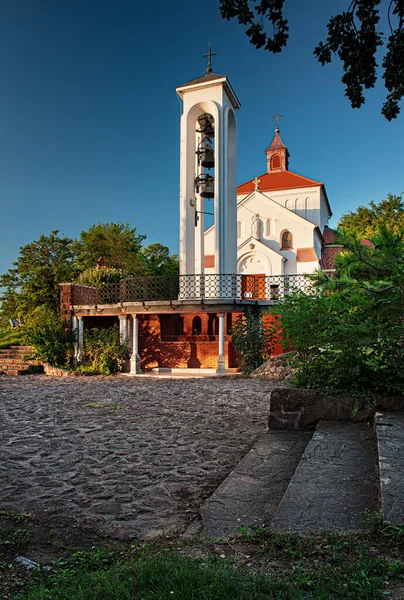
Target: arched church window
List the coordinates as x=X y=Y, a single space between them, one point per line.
x=276 y=161
x=239 y=228
x=196 y=326
x=286 y=241
x=268 y=228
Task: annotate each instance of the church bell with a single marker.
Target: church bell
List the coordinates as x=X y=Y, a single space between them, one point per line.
x=205 y=153
x=205 y=185
x=206 y=125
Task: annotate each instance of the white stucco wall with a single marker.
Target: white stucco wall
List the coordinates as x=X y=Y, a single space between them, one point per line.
x=306 y=202
x=306 y=267
x=274 y=220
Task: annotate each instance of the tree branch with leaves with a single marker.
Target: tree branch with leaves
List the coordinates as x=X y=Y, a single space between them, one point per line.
x=353 y=36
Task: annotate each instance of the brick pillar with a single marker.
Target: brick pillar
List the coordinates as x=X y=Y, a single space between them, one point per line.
x=65 y=299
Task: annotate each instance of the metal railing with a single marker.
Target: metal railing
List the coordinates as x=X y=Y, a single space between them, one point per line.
x=236 y=287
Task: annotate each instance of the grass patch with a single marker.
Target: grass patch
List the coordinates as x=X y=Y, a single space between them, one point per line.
x=86 y=370
x=282 y=567
x=112 y=405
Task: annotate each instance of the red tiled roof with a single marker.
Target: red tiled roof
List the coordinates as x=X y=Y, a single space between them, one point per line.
x=281 y=180
x=306 y=255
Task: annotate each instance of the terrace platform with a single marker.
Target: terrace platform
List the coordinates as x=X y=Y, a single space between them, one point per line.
x=184 y=321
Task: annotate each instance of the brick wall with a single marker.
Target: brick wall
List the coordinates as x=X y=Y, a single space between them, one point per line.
x=328 y=256
x=187 y=350
x=277 y=348
x=73 y=293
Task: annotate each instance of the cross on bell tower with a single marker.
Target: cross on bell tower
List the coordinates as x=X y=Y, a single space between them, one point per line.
x=209 y=55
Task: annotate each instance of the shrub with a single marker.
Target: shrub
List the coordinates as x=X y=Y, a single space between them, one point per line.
x=252 y=339
x=104 y=351
x=96 y=277
x=341 y=342
x=11 y=337
x=49 y=335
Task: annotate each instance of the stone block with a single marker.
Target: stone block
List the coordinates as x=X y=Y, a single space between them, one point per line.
x=295 y=408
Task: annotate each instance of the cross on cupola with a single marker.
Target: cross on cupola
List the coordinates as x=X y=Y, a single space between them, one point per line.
x=209 y=55
x=277 y=116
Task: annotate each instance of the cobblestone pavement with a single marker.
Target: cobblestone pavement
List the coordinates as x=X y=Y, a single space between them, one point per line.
x=123 y=457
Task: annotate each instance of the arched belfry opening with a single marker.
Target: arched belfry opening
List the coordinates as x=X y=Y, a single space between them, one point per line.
x=208 y=173
x=204 y=181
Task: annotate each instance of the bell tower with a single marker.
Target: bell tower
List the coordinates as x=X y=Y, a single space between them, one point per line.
x=208 y=171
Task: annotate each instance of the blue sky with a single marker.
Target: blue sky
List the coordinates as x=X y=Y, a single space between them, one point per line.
x=89 y=118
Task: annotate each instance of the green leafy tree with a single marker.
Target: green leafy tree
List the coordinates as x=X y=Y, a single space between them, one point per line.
x=353 y=35
x=34 y=279
x=117 y=243
x=366 y=221
x=348 y=333
x=159 y=260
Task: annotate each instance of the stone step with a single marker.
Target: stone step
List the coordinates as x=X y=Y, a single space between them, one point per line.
x=334 y=483
x=7 y=368
x=21 y=347
x=390 y=443
x=15 y=372
x=250 y=495
x=16 y=349
x=16 y=362
x=15 y=366
x=11 y=361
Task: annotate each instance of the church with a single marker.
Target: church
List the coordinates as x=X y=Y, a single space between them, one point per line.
x=281 y=219
x=267 y=233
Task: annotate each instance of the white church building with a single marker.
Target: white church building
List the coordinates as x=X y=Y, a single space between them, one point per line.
x=281 y=218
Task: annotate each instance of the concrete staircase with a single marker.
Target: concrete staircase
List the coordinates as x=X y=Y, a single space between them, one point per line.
x=12 y=361
x=307 y=483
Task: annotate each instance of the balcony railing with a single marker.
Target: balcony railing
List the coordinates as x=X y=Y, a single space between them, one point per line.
x=269 y=288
